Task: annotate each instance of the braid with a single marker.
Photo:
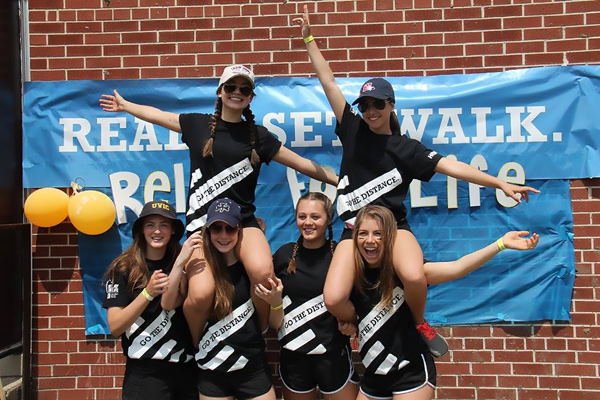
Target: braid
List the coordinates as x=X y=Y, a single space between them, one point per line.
x=394 y=124
x=249 y=116
x=330 y=229
x=292 y=265
x=208 y=146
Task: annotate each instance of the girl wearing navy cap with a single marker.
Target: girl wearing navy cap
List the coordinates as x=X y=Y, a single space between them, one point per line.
x=156 y=342
x=378 y=164
x=231 y=349
x=227 y=149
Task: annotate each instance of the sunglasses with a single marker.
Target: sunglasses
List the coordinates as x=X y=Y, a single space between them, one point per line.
x=245 y=90
x=378 y=104
x=217 y=229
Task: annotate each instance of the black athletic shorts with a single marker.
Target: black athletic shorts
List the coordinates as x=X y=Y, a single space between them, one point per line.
x=160 y=380
x=330 y=371
x=251 y=381
x=347 y=232
x=413 y=376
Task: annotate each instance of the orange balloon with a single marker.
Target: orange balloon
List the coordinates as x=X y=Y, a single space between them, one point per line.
x=46 y=207
x=91 y=212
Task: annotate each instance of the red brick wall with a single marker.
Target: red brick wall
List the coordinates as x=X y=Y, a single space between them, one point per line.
x=138 y=39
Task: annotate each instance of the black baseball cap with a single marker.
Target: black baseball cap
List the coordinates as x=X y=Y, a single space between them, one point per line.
x=377 y=88
x=159 y=208
x=225 y=210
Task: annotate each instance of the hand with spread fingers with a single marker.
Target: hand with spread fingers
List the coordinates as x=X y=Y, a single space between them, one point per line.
x=518 y=240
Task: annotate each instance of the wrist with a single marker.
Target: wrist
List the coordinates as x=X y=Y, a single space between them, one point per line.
x=279 y=306
x=500 y=244
x=147 y=295
x=308 y=39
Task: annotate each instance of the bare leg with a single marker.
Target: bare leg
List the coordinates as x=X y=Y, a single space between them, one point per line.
x=201 y=293
x=349 y=391
x=255 y=254
x=408 y=264
x=424 y=393
x=339 y=282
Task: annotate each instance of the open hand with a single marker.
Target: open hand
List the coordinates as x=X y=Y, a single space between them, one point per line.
x=112 y=103
x=517 y=240
x=517 y=192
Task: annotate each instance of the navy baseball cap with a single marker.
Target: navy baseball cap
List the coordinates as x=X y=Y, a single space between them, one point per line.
x=377 y=88
x=159 y=208
x=225 y=210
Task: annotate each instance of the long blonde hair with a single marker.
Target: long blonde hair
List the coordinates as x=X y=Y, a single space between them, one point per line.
x=387 y=226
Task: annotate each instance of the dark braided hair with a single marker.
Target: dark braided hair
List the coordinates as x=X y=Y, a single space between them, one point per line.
x=249 y=116
x=208 y=146
x=328 y=206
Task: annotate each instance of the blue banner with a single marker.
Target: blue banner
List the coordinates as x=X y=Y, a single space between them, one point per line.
x=539 y=125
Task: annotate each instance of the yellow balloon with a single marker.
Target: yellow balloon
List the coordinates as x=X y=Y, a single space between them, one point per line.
x=46 y=207
x=91 y=212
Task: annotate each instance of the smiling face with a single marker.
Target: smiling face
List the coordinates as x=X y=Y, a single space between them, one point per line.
x=378 y=120
x=235 y=101
x=312 y=221
x=157 y=232
x=223 y=237
x=369 y=241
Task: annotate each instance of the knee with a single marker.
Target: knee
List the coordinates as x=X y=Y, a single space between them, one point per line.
x=198 y=298
x=414 y=279
x=260 y=273
x=332 y=300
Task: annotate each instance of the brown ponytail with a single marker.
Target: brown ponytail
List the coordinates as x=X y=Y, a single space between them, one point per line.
x=249 y=116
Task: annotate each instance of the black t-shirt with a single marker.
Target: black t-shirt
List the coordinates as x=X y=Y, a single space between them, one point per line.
x=228 y=173
x=386 y=337
x=377 y=169
x=235 y=341
x=157 y=333
x=307 y=328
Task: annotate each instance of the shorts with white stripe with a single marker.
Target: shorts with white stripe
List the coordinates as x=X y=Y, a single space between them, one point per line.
x=419 y=372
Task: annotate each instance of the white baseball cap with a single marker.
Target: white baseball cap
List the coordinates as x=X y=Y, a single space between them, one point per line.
x=233 y=71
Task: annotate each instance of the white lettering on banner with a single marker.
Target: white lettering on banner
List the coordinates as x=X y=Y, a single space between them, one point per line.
x=301 y=315
x=300 y=129
x=145 y=132
x=369 y=192
x=125 y=184
x=225 y=328
x=219 y=184
x=375 y=319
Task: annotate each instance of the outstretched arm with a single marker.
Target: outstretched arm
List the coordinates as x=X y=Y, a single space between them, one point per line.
x=321 y=67
x=305 y=166
x=440 y=272
x=116 y=103
x=465 y=172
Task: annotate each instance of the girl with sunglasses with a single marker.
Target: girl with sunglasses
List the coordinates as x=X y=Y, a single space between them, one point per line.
x=227 y=149
x=155 y=341
x=231 y=350
x=378 y=164
x=397 y=363
x=313 y=351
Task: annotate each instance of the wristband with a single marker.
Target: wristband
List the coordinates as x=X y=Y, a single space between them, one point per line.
x=147 y=295
x=279 y=307
x=500 y=244
x=309 y=39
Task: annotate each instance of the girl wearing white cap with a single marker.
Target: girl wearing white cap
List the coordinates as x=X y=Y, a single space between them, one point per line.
x=156 y=342
x=227 y=149
x=397 y=363
x=378 y=164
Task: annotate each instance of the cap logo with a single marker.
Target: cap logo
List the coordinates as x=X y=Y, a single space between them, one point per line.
x=161 y=205
x=222 y=207
x=240 y=69
x=367 y=87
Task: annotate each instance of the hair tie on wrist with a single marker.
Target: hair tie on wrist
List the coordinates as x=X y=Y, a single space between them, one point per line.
x=279 y=307
x=500 y=244
x=309 y=39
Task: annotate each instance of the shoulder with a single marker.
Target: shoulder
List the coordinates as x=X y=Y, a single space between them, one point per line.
x=282 y=256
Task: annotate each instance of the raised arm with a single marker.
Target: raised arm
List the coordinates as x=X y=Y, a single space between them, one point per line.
x=305 y=166
x=465 y=172
x=121 y=318
x=173 y=297
x=116 y=103
x=321 y=66
x=440 y=272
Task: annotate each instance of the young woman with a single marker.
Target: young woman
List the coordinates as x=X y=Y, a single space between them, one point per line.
x=227 y=149
x=397 y=362
x=231 y=349
x=156 y=342
x=313 y=351
x=378 y=164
